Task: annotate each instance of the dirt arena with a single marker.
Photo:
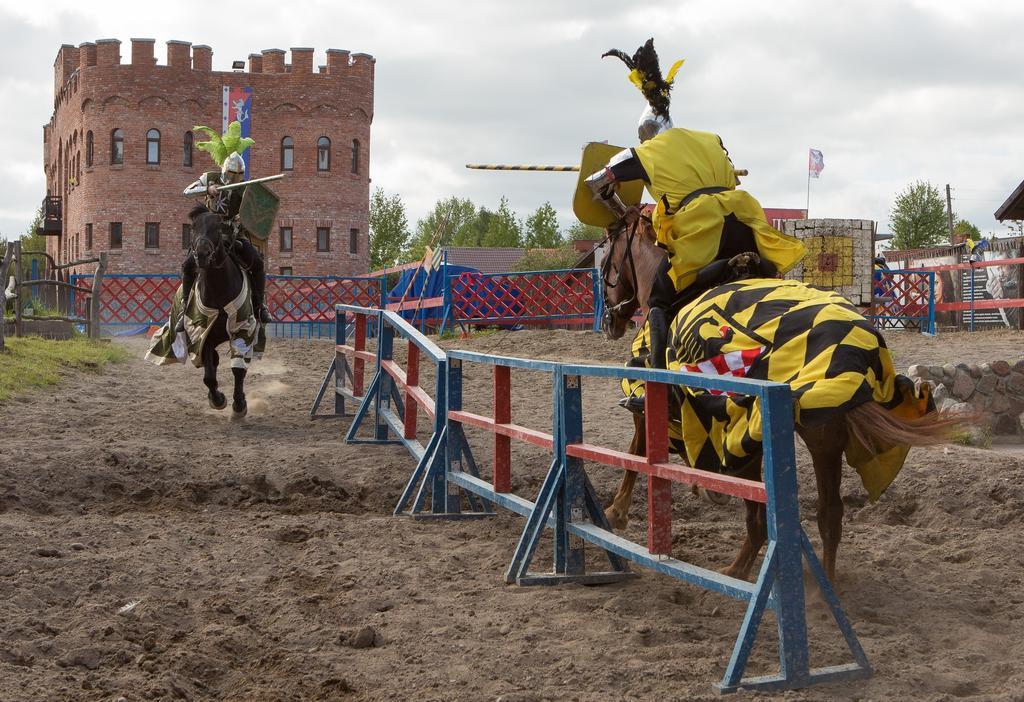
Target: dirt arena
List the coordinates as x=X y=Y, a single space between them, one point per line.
x=154 y=549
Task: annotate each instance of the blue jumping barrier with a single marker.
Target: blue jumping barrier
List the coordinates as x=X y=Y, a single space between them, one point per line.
x=904 y=299
x=347 y=368
x=567 y=504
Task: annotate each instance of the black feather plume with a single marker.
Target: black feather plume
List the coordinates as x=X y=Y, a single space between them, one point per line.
x=645 y=62
x=621 y=56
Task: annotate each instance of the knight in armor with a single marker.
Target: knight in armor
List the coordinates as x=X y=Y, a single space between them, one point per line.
x=713 y=232
x=226 y=204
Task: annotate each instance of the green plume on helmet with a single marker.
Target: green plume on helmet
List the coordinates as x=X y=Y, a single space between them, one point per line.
x=220 y=146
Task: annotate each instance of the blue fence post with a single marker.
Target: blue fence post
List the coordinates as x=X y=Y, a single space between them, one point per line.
x=570 y=557
x=385 y=352
x=598 y=299
x=971 y=328
x=446 y=296
x=783 y=515
x=340 y=336
x=455 y=444
x=931 y=302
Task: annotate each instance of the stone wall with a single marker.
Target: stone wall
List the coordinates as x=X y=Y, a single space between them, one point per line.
x=994 y=392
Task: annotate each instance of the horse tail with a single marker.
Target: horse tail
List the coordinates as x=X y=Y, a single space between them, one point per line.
x=876 y=428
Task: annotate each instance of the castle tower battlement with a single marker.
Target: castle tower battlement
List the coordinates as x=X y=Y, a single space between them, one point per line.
x=119 y=149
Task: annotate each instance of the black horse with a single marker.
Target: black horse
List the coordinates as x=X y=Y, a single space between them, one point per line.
x=219 y=282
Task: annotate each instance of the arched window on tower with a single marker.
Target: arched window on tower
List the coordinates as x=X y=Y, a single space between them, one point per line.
x=153 y=146
x=287 y=154
x=355 y=155
x=186 y=158
x=117 y=147
x=88 y=149
x=323 y=154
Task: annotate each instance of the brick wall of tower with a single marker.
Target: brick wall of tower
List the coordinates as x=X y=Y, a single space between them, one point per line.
x=96 y=93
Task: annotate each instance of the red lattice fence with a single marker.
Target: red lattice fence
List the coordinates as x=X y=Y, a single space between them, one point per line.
x=146 y=299
x=312 y=299
x=542 y=297
x=904 y=299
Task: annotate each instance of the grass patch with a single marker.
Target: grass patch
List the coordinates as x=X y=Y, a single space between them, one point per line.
x=33 y=362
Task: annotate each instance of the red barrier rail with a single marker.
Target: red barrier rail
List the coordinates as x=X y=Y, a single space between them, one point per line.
x=968 y=265
x=661 y=474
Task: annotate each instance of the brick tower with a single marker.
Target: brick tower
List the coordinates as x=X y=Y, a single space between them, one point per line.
x=119 y=150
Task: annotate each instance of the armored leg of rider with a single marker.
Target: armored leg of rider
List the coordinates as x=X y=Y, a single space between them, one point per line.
x=189 y=271
x=251 y=259
x=660 y=303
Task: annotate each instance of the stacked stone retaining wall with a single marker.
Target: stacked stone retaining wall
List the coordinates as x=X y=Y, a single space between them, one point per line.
x=993 y=392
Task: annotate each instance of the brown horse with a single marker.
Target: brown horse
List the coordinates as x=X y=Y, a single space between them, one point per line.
x=631 y=260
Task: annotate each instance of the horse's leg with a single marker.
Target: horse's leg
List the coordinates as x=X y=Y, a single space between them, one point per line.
x=239 y=408
x=617 y=513
x=757 y=527
x=210 y=360
x=826 y=444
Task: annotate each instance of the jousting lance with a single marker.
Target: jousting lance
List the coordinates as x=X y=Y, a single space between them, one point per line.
x=549 y=169
x=524 y=167
x=267 y=179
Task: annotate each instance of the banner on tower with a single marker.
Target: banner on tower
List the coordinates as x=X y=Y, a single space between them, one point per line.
x=237 y=106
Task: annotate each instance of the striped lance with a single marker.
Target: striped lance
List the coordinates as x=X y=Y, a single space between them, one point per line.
x=551 y=169
x=244 y=183
x=525 y=167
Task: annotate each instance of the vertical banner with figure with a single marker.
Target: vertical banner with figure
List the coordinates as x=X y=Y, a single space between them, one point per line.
x=237 y=106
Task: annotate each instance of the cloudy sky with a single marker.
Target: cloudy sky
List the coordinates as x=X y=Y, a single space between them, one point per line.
x=890 y=91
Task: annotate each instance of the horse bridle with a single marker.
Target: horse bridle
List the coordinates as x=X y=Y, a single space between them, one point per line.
x=611 y=312
x=219 y=252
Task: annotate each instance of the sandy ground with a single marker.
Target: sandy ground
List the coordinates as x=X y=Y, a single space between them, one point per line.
x=258 y=560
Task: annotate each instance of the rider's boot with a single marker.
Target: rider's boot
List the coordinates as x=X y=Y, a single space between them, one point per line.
x=658 y=324
x=259 y=288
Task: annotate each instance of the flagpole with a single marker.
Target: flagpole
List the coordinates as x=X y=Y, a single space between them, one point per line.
x=807 y=214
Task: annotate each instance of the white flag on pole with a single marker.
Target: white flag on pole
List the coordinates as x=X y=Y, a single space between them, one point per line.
x=815 y=163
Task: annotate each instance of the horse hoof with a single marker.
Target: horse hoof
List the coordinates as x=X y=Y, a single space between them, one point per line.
x=239 y=412
x=217 y=400
x=716 y=498
x=616 y=522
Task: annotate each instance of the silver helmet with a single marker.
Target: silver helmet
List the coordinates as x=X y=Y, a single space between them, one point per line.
x=651 y=124
x=233 y=168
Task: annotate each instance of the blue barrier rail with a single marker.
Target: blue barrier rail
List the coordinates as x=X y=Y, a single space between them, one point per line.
x=567 y=504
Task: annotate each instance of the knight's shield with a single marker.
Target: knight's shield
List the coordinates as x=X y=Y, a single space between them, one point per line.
x=588 y=210
x=258 y=210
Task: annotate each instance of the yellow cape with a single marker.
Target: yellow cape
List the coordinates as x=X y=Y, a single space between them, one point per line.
x=681 y=161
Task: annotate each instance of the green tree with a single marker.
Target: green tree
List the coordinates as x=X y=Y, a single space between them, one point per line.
x=31 y=241
x=389 y=229
x=918 y=217
x=585 y=232
x=548 y=259
x=456 y=214
x=966 y=229
x=542 y=228
x=472 y=233
x=504 y=229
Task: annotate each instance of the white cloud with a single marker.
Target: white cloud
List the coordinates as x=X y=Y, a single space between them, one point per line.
x=891 y=92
